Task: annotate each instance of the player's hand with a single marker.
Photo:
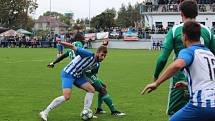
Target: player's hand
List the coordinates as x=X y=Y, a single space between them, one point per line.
x=105 y=42
x=50 y=65
x=58 y=40
x=181 y=85
x=149 y=88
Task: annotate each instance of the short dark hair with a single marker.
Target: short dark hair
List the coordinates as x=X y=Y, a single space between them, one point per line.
x=189 y=8
x=192 y=30
x=102 y=49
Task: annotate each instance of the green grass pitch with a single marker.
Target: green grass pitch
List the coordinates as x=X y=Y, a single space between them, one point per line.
x=27 y=86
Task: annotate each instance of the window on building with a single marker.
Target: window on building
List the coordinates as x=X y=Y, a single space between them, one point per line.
x=202 y=23
x=171 y=24
x=213 y=24
x=158 y=24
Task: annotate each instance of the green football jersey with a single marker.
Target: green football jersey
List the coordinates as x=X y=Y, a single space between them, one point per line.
x=70 y=52
x=173 y=42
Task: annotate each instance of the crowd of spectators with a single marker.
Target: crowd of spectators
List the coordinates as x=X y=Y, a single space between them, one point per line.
x=39 y=42
x=173 y=6
x=24 y=42
x=162 y=2
x=49 y=40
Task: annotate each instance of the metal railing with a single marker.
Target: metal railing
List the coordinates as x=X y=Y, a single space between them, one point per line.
x=174 y=8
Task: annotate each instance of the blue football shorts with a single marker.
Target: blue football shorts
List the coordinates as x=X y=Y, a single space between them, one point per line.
x=193 y=113
x=68 y=80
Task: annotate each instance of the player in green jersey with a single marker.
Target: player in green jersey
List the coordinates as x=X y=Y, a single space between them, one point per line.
x=90 y=74
x=173 y=42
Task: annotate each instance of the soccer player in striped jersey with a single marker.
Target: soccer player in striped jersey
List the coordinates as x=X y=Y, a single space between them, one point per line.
x=73 y=73
x=173 y=42
x=69 y=53
x=91 y=76
x=198 y=63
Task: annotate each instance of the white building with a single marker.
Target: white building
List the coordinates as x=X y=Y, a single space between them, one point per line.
x=50 y=24
x=169 y=15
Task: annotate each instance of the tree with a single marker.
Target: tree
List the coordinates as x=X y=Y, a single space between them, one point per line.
x=104 y=20
x=15 y=13
x=122 y=17
x=136 y=14
x=128 y=16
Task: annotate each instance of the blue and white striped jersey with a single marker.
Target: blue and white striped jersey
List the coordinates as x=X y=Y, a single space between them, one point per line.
x=84 y=60
x=200 y=70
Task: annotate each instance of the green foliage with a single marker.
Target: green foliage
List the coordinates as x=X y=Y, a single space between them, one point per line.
x=81 y=24
x=15 y=13
x=128 y=16
x=105 y=19
x=61 y=17
x=28 y=86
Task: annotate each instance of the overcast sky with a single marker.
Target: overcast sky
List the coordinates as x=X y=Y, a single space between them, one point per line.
x=80 y=8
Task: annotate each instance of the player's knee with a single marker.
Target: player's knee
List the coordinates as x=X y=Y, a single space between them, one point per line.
x=103 y=91
x=104 y=85
x=88 y=87
x=67 y=97
x=91 y=90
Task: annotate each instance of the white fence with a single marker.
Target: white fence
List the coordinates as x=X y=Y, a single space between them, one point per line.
x=119 y=44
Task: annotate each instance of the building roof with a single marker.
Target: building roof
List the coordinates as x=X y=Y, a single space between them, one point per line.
x=51 y=20
x=10 y=33
x=2 y=29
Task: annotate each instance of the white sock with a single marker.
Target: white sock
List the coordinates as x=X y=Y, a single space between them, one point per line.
x=55 y=103
x=88 y=100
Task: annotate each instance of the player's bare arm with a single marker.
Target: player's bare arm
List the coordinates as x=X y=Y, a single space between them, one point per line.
x=65 y=44
x=170 y=71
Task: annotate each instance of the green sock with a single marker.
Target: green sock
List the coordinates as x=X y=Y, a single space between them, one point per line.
x=107 y=99
x=100 y=101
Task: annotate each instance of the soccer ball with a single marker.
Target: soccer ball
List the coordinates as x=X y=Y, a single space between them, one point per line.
x=86 y=114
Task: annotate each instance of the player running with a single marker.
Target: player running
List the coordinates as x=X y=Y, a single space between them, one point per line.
x=198 y=63
x=91 y=76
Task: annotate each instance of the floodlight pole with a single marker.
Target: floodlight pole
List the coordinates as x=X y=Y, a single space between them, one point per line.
x=50 y=9
x=89 y=12
x=50 y=6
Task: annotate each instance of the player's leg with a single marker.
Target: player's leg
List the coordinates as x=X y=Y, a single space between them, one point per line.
x=84 y=84
x=67 y=83
x=61 y=50
x=177 y=98
x=58 y=50
x=98 y=87
x=104 y=96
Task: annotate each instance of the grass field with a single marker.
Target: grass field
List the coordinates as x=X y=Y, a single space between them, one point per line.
x=27 y=86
